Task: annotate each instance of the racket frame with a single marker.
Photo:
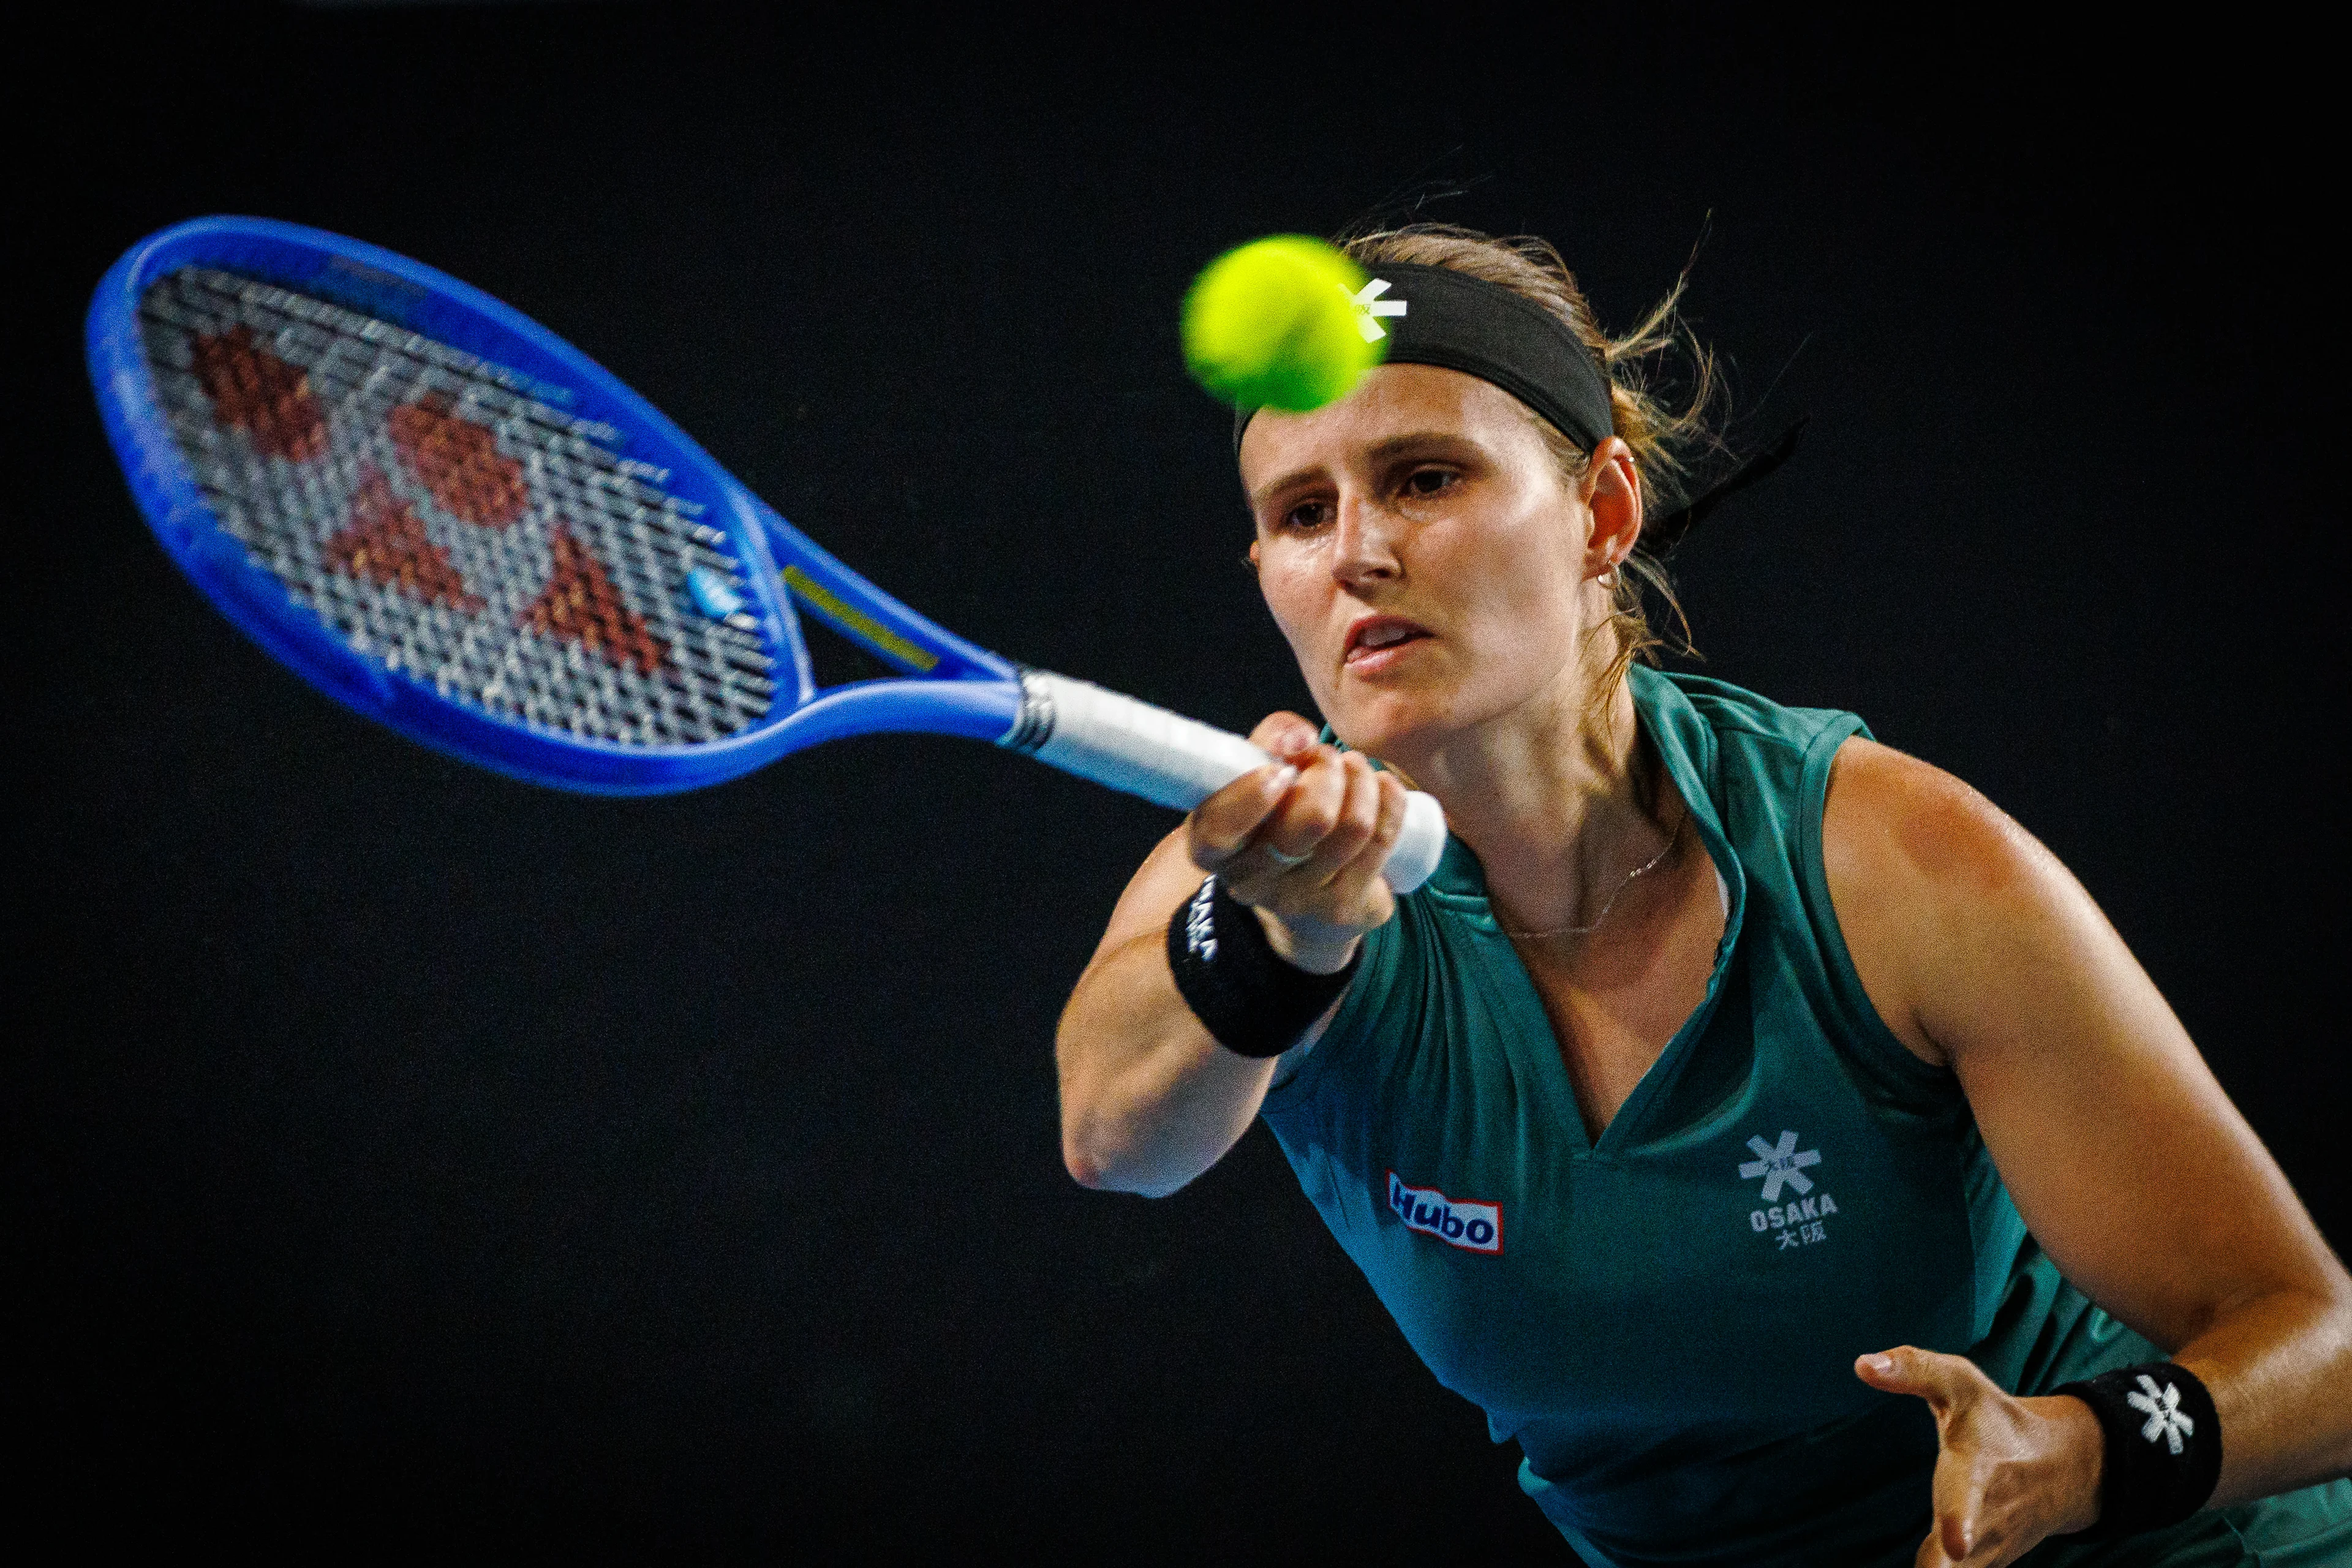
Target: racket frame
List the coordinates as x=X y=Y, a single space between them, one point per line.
x=951 y=686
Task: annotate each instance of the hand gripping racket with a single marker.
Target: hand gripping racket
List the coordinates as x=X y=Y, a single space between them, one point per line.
x=440 y=513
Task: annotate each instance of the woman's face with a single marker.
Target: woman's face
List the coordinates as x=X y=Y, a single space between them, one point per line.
x=1419 y=547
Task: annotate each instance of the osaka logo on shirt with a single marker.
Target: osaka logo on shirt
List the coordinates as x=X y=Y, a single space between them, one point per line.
x=1474 y=1227
x=1796 y=1222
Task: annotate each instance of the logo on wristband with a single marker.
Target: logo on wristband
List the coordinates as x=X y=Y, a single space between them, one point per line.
x=1201 y=923
x=2162 y=1408
x=1474 y=1227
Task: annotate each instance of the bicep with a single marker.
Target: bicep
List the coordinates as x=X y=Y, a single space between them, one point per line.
x=2122 y=1152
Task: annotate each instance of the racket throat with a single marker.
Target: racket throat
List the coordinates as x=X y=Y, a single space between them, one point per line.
x=1033 y=725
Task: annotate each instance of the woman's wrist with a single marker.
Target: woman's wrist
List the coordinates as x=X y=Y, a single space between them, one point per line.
x=2160 y=1446
x=1252 y=998
x=1304 y=946
x=2078 y=1462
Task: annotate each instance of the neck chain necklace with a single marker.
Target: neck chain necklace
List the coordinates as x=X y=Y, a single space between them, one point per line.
x=1635 y=875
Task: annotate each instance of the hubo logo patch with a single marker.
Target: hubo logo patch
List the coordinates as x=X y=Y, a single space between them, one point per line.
x=1474 y=1227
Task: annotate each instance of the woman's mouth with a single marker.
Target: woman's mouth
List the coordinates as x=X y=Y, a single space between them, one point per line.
x=1376 y=642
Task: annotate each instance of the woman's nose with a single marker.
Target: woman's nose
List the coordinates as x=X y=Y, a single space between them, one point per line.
x=1366 y=542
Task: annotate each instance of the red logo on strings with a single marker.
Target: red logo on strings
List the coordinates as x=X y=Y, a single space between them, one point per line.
x=458 y=462
x=386 y=543
x=580 y=603
x=254 y=391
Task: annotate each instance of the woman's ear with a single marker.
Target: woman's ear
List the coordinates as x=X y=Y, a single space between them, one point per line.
x=1253 y=556
x=1612 y=492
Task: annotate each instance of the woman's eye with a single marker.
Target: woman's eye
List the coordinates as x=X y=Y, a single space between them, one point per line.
x=1429 y=481
x=1306 y=514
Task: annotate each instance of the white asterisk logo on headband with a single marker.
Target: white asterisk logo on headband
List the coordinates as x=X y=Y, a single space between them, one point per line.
x=1368 y=304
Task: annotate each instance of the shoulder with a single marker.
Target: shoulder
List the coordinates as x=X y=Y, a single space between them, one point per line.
x=1890 y=818
x=1921 y=868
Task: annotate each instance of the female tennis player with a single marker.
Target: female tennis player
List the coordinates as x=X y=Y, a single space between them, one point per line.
x=1767 y=1133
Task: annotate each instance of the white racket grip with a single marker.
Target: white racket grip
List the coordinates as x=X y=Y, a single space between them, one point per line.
x=1172 y=761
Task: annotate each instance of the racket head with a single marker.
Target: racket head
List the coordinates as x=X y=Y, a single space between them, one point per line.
x=455 y=522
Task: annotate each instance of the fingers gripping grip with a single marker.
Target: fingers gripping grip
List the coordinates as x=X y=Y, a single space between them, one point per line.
x=1083 y=729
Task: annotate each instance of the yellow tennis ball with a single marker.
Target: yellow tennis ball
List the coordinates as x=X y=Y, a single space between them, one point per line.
x=1273 y=324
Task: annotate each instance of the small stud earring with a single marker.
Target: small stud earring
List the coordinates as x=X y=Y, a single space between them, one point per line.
x=1608 y=579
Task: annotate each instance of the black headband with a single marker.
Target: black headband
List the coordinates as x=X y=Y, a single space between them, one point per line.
x=1435 y=315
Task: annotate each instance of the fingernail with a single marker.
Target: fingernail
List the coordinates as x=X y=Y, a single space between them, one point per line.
x=1883 y=1365
x=1285 y=779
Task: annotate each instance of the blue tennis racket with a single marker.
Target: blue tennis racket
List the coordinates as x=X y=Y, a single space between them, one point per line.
x=436 y=510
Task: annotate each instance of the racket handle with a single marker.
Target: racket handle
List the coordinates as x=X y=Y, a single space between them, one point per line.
x=1172 y=761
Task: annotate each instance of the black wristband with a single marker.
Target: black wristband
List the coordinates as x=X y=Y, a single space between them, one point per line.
x=1255 y=1004
x=2164 y=1446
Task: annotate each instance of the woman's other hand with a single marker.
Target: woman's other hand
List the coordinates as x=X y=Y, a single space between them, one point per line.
x=2010 y=1472
x=1302 y=841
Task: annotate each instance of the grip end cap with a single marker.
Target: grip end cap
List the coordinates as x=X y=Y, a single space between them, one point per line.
x=1419 y=847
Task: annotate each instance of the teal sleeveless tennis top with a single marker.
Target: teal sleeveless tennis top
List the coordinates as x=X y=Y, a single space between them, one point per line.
x=1666 y=1319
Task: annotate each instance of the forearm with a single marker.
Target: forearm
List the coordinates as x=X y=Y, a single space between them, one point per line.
x=2279 y=1367
x=1150 y=1099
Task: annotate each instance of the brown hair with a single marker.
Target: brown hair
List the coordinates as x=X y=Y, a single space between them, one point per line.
x=1662 y=436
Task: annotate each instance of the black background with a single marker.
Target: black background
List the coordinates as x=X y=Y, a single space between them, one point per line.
x=401 y=1157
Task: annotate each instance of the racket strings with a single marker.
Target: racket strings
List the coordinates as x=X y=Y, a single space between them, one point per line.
x=448 y=525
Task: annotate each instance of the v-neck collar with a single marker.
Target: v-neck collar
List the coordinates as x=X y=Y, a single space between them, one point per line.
x=1686 y=744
